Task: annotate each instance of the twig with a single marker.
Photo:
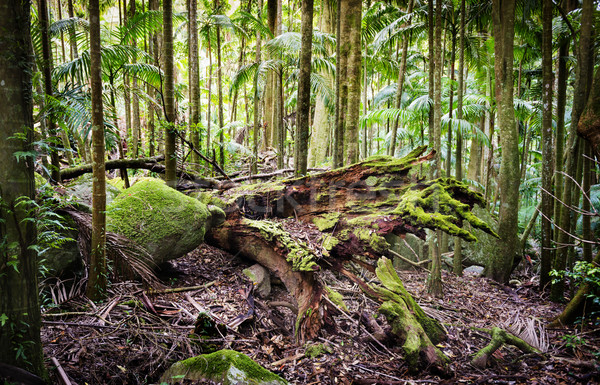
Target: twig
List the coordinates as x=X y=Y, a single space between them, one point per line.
x=181 y=289
x=61 y=372
x=287 y=359
x=206 y=159
x=415 y=264
x=196 y=304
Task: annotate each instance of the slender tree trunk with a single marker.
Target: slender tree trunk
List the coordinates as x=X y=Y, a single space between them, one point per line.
x=18 y=259
x=547 y=145
x=504 y=33
x=135 y=108
x=434 y=281
x=195 y=81
x=400 y=84
x=431 y=52
x=582 y=89
x=72 y=38
x=302 y=126
x=351 y=15
x=457 y=258
x=47 y=73
x=256 y=99
x=96 y=286
x=169 y=96
x=208 y=108
x=220 y=96
x=338 y=136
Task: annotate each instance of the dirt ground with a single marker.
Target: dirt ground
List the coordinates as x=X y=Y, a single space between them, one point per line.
x=135 y=335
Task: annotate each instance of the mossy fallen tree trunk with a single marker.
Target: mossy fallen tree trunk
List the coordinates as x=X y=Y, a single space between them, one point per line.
x=299 y=227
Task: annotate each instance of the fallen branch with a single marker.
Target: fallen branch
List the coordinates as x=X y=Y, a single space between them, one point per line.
x=61 y=372
x=180 y=289
x=499 y=338
x=415 y=264
x=144 y=163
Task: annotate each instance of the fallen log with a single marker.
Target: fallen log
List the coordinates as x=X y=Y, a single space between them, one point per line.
x=297 y=228
x=151 y=164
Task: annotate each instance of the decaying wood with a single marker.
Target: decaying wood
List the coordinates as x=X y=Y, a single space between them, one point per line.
x=350 y=210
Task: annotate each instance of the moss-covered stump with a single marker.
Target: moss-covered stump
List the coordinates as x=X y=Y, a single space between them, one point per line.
x=418 y=332
x=167 y=223
x=499 y=338
x=225 y=367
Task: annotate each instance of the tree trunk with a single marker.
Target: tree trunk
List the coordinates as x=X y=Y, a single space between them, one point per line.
x=194 y=80
x=320 y=138
x=434 y=281
x=18 y=259
x=504 y=33
x=97 y=282
x=256 y=128
x=457 y=258
x=338 y=132
x=169 y=96
x=47 y=73
x=547 y=145
x=582 y=91
x=400 y=84
x=72 y=38
x=209 y=98
x=302 y=126
x=220 y=96
x=351 y=14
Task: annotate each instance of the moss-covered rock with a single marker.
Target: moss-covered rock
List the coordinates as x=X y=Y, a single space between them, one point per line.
x=80 y=190
x=315 y=350
x=479 y=252
x=226 y=367
x=167 y=223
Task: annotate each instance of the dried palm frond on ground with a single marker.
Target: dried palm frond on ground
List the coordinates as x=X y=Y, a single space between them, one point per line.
x=129 y=259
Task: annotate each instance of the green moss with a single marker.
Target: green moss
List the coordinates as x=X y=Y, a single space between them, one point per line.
x=223 y=367
x=164 y=221
x=443 y=211
x=315 y=350
x=367 y=236
x=208 y=198
x=336 y=298
x=327 y=222
x=299 y=254
x=329 y=242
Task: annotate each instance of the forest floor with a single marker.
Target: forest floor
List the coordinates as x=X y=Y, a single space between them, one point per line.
x=135 y=335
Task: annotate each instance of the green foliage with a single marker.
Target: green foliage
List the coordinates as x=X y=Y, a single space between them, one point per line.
x=585 y=273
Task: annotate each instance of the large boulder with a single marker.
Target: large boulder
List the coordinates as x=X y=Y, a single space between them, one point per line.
x=480 y=251
x=167 y=223
x=226 y=367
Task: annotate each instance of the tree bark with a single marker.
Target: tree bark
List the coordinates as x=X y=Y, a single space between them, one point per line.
x=400 y=84
x=351 y=29
x=547 y=145
x=169 y=96
x=195 y=80
x=48 y=89
x=457 y=258
x=256 y=129
x=580 y=97
x=302 y=126
x=18 y=260
x=504 y=33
